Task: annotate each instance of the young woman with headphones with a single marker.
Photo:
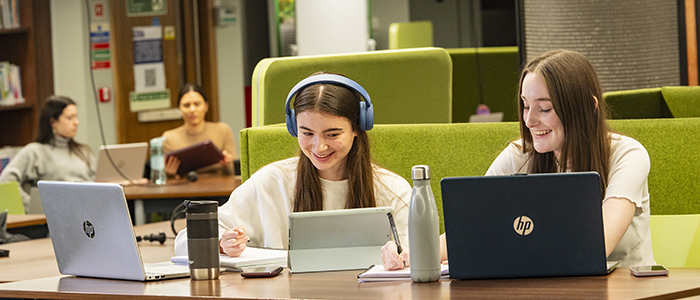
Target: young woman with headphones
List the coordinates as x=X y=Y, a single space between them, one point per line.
x=330 y=117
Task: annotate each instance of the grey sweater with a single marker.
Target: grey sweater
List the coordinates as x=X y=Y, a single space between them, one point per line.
x=37 y=161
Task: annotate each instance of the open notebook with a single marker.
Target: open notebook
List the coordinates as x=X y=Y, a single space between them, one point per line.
x=378 y=273
x=251 y=257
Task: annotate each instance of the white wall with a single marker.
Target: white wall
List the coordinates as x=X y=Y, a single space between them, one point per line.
x=385 y=12
x=229 y=48
x=330 y=27
x=71 y=67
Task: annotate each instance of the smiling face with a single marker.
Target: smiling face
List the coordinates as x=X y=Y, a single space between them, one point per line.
x=540 y=118
x=67 y=123
x=326 y=140
x=193 y=108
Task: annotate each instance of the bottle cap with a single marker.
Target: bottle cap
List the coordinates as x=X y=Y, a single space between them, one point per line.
x=420 y=172
x=203 y=206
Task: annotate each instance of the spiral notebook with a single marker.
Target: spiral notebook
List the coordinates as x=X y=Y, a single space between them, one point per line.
x=251 y=257
x=378 y=273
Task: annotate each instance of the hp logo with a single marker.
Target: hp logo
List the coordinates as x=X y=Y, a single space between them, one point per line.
x=89 y=229
x=523 y=225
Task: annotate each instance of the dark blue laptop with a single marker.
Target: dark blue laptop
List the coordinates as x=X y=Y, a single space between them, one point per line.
x=515 y=226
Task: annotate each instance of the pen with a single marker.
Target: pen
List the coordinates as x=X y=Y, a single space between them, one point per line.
x=228 y=228
x=393 y=232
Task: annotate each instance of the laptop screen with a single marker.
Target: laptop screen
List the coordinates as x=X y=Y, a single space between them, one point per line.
x=536 y=225
x=129 y=158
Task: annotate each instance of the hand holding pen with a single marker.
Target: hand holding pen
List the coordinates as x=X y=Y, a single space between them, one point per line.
x=233 y=241
x=394 y=256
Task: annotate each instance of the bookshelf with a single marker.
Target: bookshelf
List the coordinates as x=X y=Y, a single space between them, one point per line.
x=28 y=47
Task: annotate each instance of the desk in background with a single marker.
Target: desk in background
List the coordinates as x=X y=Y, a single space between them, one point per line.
x=32 y=225
x=17 y=221
x=206 y=186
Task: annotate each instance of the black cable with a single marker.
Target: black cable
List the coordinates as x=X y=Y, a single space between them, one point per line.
x=178 y=212
x=97 y=103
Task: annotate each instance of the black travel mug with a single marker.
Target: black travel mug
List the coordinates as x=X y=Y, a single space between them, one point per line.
x=202 y=239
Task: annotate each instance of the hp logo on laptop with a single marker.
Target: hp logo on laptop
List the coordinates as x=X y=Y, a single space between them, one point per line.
x=89 y=229
x=523 y=225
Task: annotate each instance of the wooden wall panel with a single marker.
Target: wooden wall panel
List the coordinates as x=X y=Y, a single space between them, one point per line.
x=178 y=66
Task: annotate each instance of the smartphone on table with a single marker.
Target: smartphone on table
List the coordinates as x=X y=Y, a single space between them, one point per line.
x=261 y=272
x=649 y=270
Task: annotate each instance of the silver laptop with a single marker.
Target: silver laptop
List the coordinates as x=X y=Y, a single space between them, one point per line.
x=35 y=206
x=331 y=240
x=538 y=225
x=486 y=118
x=91 y=232
x=129 y=158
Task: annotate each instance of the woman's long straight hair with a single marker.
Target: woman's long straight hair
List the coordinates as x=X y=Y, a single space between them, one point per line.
x=338 y=101
x=52 y=110
x=577 y=100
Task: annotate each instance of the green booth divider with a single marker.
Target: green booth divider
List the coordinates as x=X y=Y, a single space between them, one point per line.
x=465 y=149
x=406 y=86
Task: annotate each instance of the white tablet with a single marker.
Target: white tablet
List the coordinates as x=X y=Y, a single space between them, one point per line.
x=332 y=240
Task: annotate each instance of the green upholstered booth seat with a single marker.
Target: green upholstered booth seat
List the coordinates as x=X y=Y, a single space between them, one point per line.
x=406 y=86
x=663 y=102
x=10 y=198
x=675 y=240
x=410 y=35
x=672 y=144
x=487 y=75
x=637 y=104
x=682 y=101
x=449 y=149
x=467 y=149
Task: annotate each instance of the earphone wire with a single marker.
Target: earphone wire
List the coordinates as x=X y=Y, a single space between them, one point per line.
x=97 y=102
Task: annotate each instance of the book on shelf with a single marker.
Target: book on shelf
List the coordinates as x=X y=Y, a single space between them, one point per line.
x=9 y=14
x=10 y=84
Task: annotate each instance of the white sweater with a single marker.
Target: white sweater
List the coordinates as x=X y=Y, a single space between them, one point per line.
x=264 y=202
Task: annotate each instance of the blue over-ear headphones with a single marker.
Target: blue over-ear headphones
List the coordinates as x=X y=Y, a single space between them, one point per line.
x=366 y=110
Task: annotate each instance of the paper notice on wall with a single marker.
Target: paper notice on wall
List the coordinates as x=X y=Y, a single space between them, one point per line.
x=149 y=100
x=149 y=71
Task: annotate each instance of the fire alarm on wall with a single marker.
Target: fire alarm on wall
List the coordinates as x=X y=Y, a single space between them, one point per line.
x=105 y=94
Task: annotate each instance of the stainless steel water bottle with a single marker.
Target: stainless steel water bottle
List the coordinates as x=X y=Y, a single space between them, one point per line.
x=423 y=228
x=203 y=239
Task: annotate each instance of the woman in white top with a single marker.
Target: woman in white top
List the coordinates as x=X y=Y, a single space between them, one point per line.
x=333 y=170
x=563 y=129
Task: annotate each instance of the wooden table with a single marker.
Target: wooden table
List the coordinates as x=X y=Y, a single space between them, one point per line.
x=343 y=285
x=206 y=186
x=16 y=221
x=34 y=274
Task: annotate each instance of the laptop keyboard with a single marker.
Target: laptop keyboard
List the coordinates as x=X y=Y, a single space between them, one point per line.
x=160 y=270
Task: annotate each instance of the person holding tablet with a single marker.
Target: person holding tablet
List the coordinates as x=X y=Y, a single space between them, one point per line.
x=329 y=114
x=55 y=155
x=193 y=106
x=563 y=129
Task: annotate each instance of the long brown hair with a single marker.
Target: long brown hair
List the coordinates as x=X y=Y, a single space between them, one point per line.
x=52 y=110
x=573 y=88
x=339 y=101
